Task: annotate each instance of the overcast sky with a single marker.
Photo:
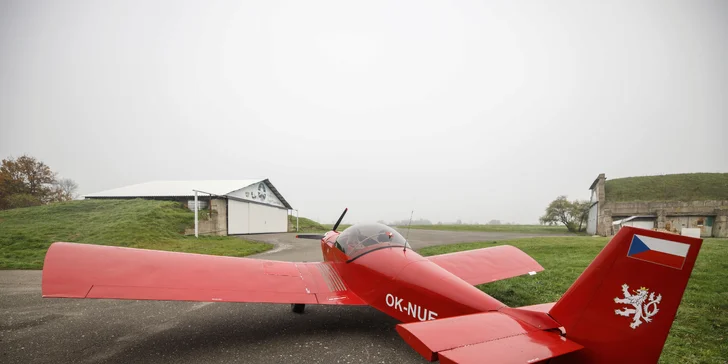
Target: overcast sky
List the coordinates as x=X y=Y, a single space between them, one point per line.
x=471 y=110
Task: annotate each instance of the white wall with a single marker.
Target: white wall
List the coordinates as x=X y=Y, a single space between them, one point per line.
x=267 y=219
x=594 y=197
x=591 y=222
x=253 y=218
x=691 y=232
x=238 y=217
x=258 y=192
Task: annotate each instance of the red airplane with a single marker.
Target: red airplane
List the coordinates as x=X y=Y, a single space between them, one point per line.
x=620 y=309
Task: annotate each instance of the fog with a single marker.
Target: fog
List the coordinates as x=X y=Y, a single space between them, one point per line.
x=470 y=110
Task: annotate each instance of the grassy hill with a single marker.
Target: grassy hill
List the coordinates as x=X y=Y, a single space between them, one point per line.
x=304 y=225
x=671 y=187
x=341 y=227
x=309 y=226
x=26 y=234
x=700 y=330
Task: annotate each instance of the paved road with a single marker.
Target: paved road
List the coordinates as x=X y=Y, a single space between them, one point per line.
x=288 y=248
x=36 y=330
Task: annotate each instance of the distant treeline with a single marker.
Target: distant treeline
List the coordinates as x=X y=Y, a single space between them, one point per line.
x=428 y=222
x=407 y=222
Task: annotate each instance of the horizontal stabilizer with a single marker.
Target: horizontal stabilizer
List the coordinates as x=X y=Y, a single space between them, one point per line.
x=488 y=264
x=470 y=338
x=532 y=347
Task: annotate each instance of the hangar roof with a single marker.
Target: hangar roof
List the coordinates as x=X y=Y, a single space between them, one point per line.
x=183 y=189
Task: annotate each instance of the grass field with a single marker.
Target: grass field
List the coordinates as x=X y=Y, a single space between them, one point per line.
x=26 y=234
x=671 y=187
x=533 y=229
x=700 y=331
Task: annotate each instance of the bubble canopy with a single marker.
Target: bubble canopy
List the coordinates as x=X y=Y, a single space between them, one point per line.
x=363 y=238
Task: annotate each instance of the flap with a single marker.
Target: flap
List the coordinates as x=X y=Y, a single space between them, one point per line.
x=488 y=264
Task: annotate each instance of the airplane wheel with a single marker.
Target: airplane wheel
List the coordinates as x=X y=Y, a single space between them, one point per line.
x=297 y=307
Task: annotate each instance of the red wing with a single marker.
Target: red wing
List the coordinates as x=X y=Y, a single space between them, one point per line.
x=95 y=271
x=488 y=264
x=493 y=335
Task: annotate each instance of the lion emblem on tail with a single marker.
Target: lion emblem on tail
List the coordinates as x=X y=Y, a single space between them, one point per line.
x=640 y=310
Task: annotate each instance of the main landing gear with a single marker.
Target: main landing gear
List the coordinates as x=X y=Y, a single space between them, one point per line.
x=297 y=307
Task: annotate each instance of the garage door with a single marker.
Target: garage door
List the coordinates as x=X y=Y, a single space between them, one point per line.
x=641 y=224
x=238 y=217
x=252 y=218
x=267 y=219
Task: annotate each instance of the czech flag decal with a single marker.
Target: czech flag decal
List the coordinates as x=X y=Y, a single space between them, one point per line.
x=658 y=251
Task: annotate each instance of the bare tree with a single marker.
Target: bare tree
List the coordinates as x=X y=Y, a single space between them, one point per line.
x=68 y=188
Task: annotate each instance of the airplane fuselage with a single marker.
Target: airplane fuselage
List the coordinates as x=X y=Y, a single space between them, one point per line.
x=405 y=285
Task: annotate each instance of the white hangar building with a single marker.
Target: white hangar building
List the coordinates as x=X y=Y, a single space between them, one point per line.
x=238 y=206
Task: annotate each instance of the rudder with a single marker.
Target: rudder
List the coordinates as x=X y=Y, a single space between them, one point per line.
x=622 y=306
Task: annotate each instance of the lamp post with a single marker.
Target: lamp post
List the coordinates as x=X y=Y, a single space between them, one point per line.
x=196 y=223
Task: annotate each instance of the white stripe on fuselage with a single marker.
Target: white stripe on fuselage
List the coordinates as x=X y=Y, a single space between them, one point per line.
x=665 y=246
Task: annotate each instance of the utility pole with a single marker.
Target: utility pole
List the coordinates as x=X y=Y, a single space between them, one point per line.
x=196 y=223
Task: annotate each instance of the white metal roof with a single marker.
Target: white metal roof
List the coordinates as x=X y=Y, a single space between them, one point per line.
x=176 y=188
x=185 y=188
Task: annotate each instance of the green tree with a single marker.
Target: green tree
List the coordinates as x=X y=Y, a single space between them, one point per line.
x=21 y=200
x=572 y=214
x=26 y=181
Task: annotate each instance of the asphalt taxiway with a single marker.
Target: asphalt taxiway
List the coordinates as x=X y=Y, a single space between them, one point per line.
x=37 y=330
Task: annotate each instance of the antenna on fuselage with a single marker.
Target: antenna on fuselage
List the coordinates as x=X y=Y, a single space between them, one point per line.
x=406 y=238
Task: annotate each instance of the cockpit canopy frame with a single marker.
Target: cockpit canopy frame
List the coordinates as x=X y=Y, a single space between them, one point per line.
x=360 y=239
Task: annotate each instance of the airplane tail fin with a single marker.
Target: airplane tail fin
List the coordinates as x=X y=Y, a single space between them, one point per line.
x=622 y=306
